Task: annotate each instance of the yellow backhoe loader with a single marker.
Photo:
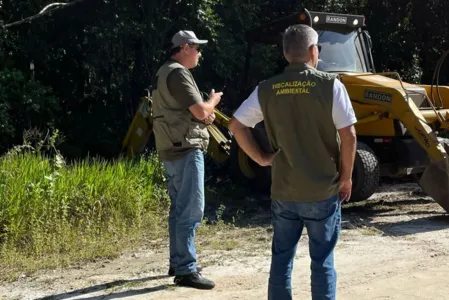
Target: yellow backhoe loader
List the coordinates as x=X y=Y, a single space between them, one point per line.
x=400 y=126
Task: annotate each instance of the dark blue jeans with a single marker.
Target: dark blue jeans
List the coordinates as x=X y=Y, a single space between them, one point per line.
x=323 y=222
x=186 y=190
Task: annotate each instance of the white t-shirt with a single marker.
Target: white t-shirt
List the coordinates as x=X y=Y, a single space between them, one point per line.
x=250 y=113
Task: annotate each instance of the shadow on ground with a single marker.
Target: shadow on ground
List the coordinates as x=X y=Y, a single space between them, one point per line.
x=420 y=225
x=110 y=285
x=409 y=214
x=397 y=218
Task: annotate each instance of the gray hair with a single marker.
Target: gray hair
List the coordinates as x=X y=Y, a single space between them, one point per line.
x=297 y=41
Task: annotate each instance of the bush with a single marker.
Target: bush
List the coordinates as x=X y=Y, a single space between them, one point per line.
x=86 y=209
x=24 y=104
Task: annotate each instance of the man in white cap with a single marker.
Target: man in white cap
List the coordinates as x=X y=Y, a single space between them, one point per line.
x=180 y=119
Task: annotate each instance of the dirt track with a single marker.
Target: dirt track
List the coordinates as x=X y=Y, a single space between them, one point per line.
x=394 y=246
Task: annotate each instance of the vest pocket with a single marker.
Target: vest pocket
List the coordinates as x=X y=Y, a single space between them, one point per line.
x=179 y=134
x=197 y=135
x=167 y=135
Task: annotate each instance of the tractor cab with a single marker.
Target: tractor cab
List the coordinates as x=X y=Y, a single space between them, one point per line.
x=345 y=47
x=344 y=42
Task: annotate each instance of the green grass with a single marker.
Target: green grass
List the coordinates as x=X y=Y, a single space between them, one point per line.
x=55 y=214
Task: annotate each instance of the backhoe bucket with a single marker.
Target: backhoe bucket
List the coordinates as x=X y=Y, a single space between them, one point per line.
x=435 y=182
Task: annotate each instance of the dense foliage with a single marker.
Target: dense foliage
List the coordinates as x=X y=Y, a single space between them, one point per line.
x=56 y=213
x=94 y=59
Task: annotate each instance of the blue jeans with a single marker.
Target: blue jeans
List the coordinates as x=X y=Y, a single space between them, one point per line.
x=186 y=190
x=323 y=222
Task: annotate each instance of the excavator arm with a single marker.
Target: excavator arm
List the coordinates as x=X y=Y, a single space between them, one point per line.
x=141 y=129
x=390 y=99
x=438 y=95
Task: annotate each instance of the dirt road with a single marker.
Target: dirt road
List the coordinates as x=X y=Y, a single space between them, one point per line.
x=394 y=246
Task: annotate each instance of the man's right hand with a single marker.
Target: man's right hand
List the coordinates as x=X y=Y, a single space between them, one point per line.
x=345 y=190
x=209 y=120
x=215 y=97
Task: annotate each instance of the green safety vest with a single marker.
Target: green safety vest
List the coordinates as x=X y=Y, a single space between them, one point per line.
x=174 y=127
x=297 y=110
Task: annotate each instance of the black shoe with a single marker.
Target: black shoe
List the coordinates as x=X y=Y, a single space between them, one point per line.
x=194 y=280
x=171 y=271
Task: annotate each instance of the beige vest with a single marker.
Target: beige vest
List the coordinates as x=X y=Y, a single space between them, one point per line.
x=297 y=109
x=174 y=127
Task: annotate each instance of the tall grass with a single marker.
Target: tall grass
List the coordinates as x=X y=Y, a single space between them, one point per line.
x=52 y=213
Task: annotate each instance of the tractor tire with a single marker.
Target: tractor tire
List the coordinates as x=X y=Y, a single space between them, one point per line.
x=238 y=172
x=366 y=173
x=247 y=172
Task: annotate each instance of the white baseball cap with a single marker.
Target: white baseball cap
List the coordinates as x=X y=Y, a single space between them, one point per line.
x=185 y=37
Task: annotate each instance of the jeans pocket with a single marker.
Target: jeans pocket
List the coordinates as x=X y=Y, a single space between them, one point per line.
x=322 y=210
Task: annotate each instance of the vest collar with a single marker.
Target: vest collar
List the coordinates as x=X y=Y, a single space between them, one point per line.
x=298 y=67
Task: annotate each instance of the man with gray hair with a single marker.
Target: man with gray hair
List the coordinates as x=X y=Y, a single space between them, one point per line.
x=309 y=122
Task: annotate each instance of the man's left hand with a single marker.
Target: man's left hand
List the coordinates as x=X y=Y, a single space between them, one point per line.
x=210 y=119
x=345 y=190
